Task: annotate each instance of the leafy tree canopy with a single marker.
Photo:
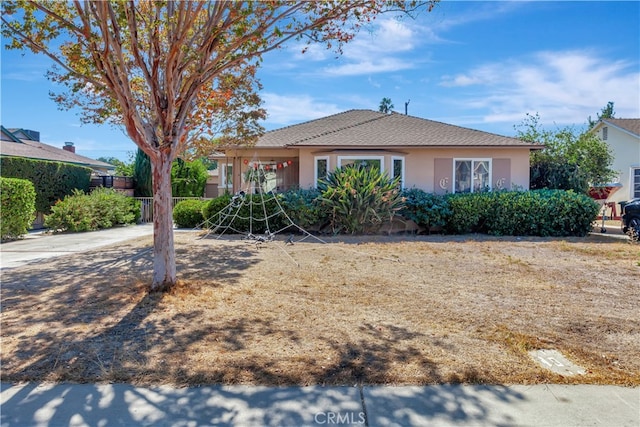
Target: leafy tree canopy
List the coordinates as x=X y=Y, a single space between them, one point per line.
x=607 y=112
x=175 y=73
x=122 y=168
x=386 y=106
x=570 y=159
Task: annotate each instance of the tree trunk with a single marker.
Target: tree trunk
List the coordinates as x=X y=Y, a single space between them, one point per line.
x=164 y=259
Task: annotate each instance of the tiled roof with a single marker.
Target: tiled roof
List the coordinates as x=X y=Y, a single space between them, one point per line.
x=38 y=150
x=367 y=128
x=630 y=125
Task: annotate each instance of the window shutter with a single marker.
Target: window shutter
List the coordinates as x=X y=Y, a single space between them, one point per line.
x=501 y=174
x=442 y=176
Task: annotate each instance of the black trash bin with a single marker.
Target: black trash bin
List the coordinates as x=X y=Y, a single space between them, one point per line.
x=622 y=204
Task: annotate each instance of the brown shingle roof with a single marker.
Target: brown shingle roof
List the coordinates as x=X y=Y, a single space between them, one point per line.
x=38 y=150
x=630 y=125
x=367 y=128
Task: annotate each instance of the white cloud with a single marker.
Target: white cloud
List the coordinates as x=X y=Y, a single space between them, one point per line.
x=565 y=87
x=373 y=83
x=289 y=109
x=385 y=46
x=381 y=50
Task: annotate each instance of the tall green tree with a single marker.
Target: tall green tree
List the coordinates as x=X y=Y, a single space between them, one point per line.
x=570 y=160
x=142 y=175
x=158 y=68
x=386 y=106
x=188 y=179
x=607 y=112
x=122 y=168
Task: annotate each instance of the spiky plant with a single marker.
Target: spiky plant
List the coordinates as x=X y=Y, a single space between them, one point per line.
x=359 y=199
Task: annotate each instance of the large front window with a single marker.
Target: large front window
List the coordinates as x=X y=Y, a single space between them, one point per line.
x=472 y=175
x=635 y=182
x=365 y=161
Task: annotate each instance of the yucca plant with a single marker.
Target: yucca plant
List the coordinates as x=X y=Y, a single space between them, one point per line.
x=359 y=199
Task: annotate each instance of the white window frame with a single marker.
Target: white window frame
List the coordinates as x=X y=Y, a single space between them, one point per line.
x=315 y=168
x=632 y=172
x=472 y=160
x=223 y=175
x=393 y=161
x=381 y=158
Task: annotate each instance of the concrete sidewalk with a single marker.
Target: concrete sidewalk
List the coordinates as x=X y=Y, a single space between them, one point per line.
x=36 y=246
x=442 y=405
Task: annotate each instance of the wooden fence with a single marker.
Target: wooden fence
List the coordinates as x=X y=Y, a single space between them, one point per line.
x=146 y=206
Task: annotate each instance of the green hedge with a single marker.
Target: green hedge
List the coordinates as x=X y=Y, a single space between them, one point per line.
x=514 y=213
x=523 y=213
x=103 y=208
x=425 y=209
x=18 y=198
x=188 y=213
x=53 y=181
x=304 y=208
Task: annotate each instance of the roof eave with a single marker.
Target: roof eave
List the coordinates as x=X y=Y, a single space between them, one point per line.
x=620 y=128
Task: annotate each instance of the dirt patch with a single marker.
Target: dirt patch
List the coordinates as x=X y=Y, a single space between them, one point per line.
x=374 y=310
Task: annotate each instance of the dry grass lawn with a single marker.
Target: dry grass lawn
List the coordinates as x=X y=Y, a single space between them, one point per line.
x=374 y=310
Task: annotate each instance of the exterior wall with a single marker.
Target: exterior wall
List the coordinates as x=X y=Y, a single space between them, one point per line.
x=424 y=166
x=244 y=159
x=626 y=151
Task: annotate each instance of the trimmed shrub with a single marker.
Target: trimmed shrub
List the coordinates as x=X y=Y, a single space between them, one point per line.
x=359 y=199
x=304 y=209
x=53 y=181
x=468 y=213
x=523 y=213
x=425 y=209
x=103 y=208
x=213 y=208
x=188 y=213
x=18 y=206
x=247 y=214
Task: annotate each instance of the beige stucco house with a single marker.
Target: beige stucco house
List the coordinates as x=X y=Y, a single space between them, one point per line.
x=623 y=136
x=433 y=156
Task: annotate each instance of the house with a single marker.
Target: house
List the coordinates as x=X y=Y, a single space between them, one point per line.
x=26 y=143
x=623 y=136
x=433 y=156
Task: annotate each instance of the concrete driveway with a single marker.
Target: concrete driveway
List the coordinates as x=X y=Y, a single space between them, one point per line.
x=40 y=245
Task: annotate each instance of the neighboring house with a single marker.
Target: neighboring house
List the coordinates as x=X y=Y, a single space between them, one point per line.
x=623 y=136
x=211 y=188
x=26 y=143
x=433 y=156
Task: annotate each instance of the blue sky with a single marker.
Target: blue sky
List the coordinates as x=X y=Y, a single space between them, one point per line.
x=482 y=65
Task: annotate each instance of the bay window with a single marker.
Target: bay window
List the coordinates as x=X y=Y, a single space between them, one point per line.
x=321 y=169
x=397 y=169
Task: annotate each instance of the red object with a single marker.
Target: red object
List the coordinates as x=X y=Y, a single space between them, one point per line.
x=246 y=162
x=603 y=192
x=279 y=165
x=289 y=162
